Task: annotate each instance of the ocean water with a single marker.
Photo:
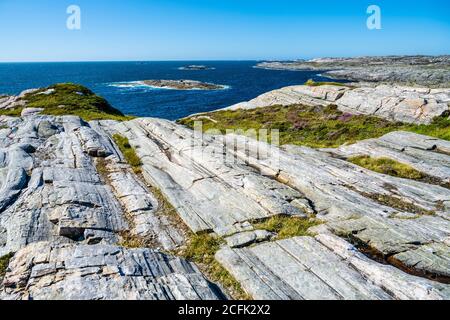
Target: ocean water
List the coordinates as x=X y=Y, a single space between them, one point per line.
x=115 y=81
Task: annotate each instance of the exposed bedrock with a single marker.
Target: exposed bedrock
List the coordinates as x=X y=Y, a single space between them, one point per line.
x=68 y=198
x=417 y=70
x=44 y=271
x=63 y=214
x=395 y=103
x=401 y=220
x=324 y=268
x=208 y=192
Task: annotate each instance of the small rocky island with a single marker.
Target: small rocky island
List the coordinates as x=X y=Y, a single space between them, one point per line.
x=354 y=203
x=195 y=67
x=182 y=84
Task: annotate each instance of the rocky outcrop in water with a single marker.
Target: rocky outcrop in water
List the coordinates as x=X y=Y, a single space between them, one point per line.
x=394 y=103
x=181 y=84
x=407 y=70
x=195 y=67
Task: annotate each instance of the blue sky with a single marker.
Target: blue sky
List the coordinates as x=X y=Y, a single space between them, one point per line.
x=35 y=30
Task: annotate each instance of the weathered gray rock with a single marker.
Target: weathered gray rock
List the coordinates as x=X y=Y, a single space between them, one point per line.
x=92 y=142
x=45 y=271
x=304 y=268
x=395 y=103
x=423 y=153
x=11 y=102
x=407 y=238
x=208 y=192
x=391 y=279
x=142 y=207
x=31 y=111
x=416 y=70
x=51 y=190
x=393 y=215
x=337 y=187
x=244 y=239
x=64 y=181
x=181 y=84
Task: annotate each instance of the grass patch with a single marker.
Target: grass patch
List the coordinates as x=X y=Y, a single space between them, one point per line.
x=4 y=262
x=201 y=249
x=394 y=202
x=4 y=127
x=317 y=127
x=128 y=152
x=398 y=204
x=13 y=112
x=165 y=207
x=387 y=166
x=102 y=169
x=288 y=227
x=396 y=169
x=131 y=241
x=313 y=83
x=69 y=99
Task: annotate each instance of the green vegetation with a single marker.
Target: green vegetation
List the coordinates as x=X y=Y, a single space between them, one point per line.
x=313 y=83
x=396 y=169
x=398 y=204
x=387 y=166
x=165 y=207
x=14 y=112
x=128 y=152
x=317 y=127
x=4 y=262
x=69 y=99
x=288 y=227
x=201 y=249
x=394 y=201
x=102 y=168
x=131 y=241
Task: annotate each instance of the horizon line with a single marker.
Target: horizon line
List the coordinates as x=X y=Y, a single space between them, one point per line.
x=222 y=60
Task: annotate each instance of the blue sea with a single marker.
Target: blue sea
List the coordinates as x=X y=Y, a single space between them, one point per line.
x=115 y=82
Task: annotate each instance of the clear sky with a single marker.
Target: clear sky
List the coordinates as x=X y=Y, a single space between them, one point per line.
x=35 y=30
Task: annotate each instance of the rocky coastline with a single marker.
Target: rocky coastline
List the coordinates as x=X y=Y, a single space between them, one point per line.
x=430 y=71
x=97 y=205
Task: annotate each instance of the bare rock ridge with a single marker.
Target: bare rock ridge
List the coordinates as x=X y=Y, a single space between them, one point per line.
x=412 y=237
x=45 y=271
x=431 y=71
x=208 y=193
x=65 y=222
x=70 y=203
x=395 y=103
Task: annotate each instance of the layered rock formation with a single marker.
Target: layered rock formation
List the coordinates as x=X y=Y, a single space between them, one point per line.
x=404 y=104
x=10 y=102
x=83 y=225
x=67 y=200
x=418 y=70
x=46 y=271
